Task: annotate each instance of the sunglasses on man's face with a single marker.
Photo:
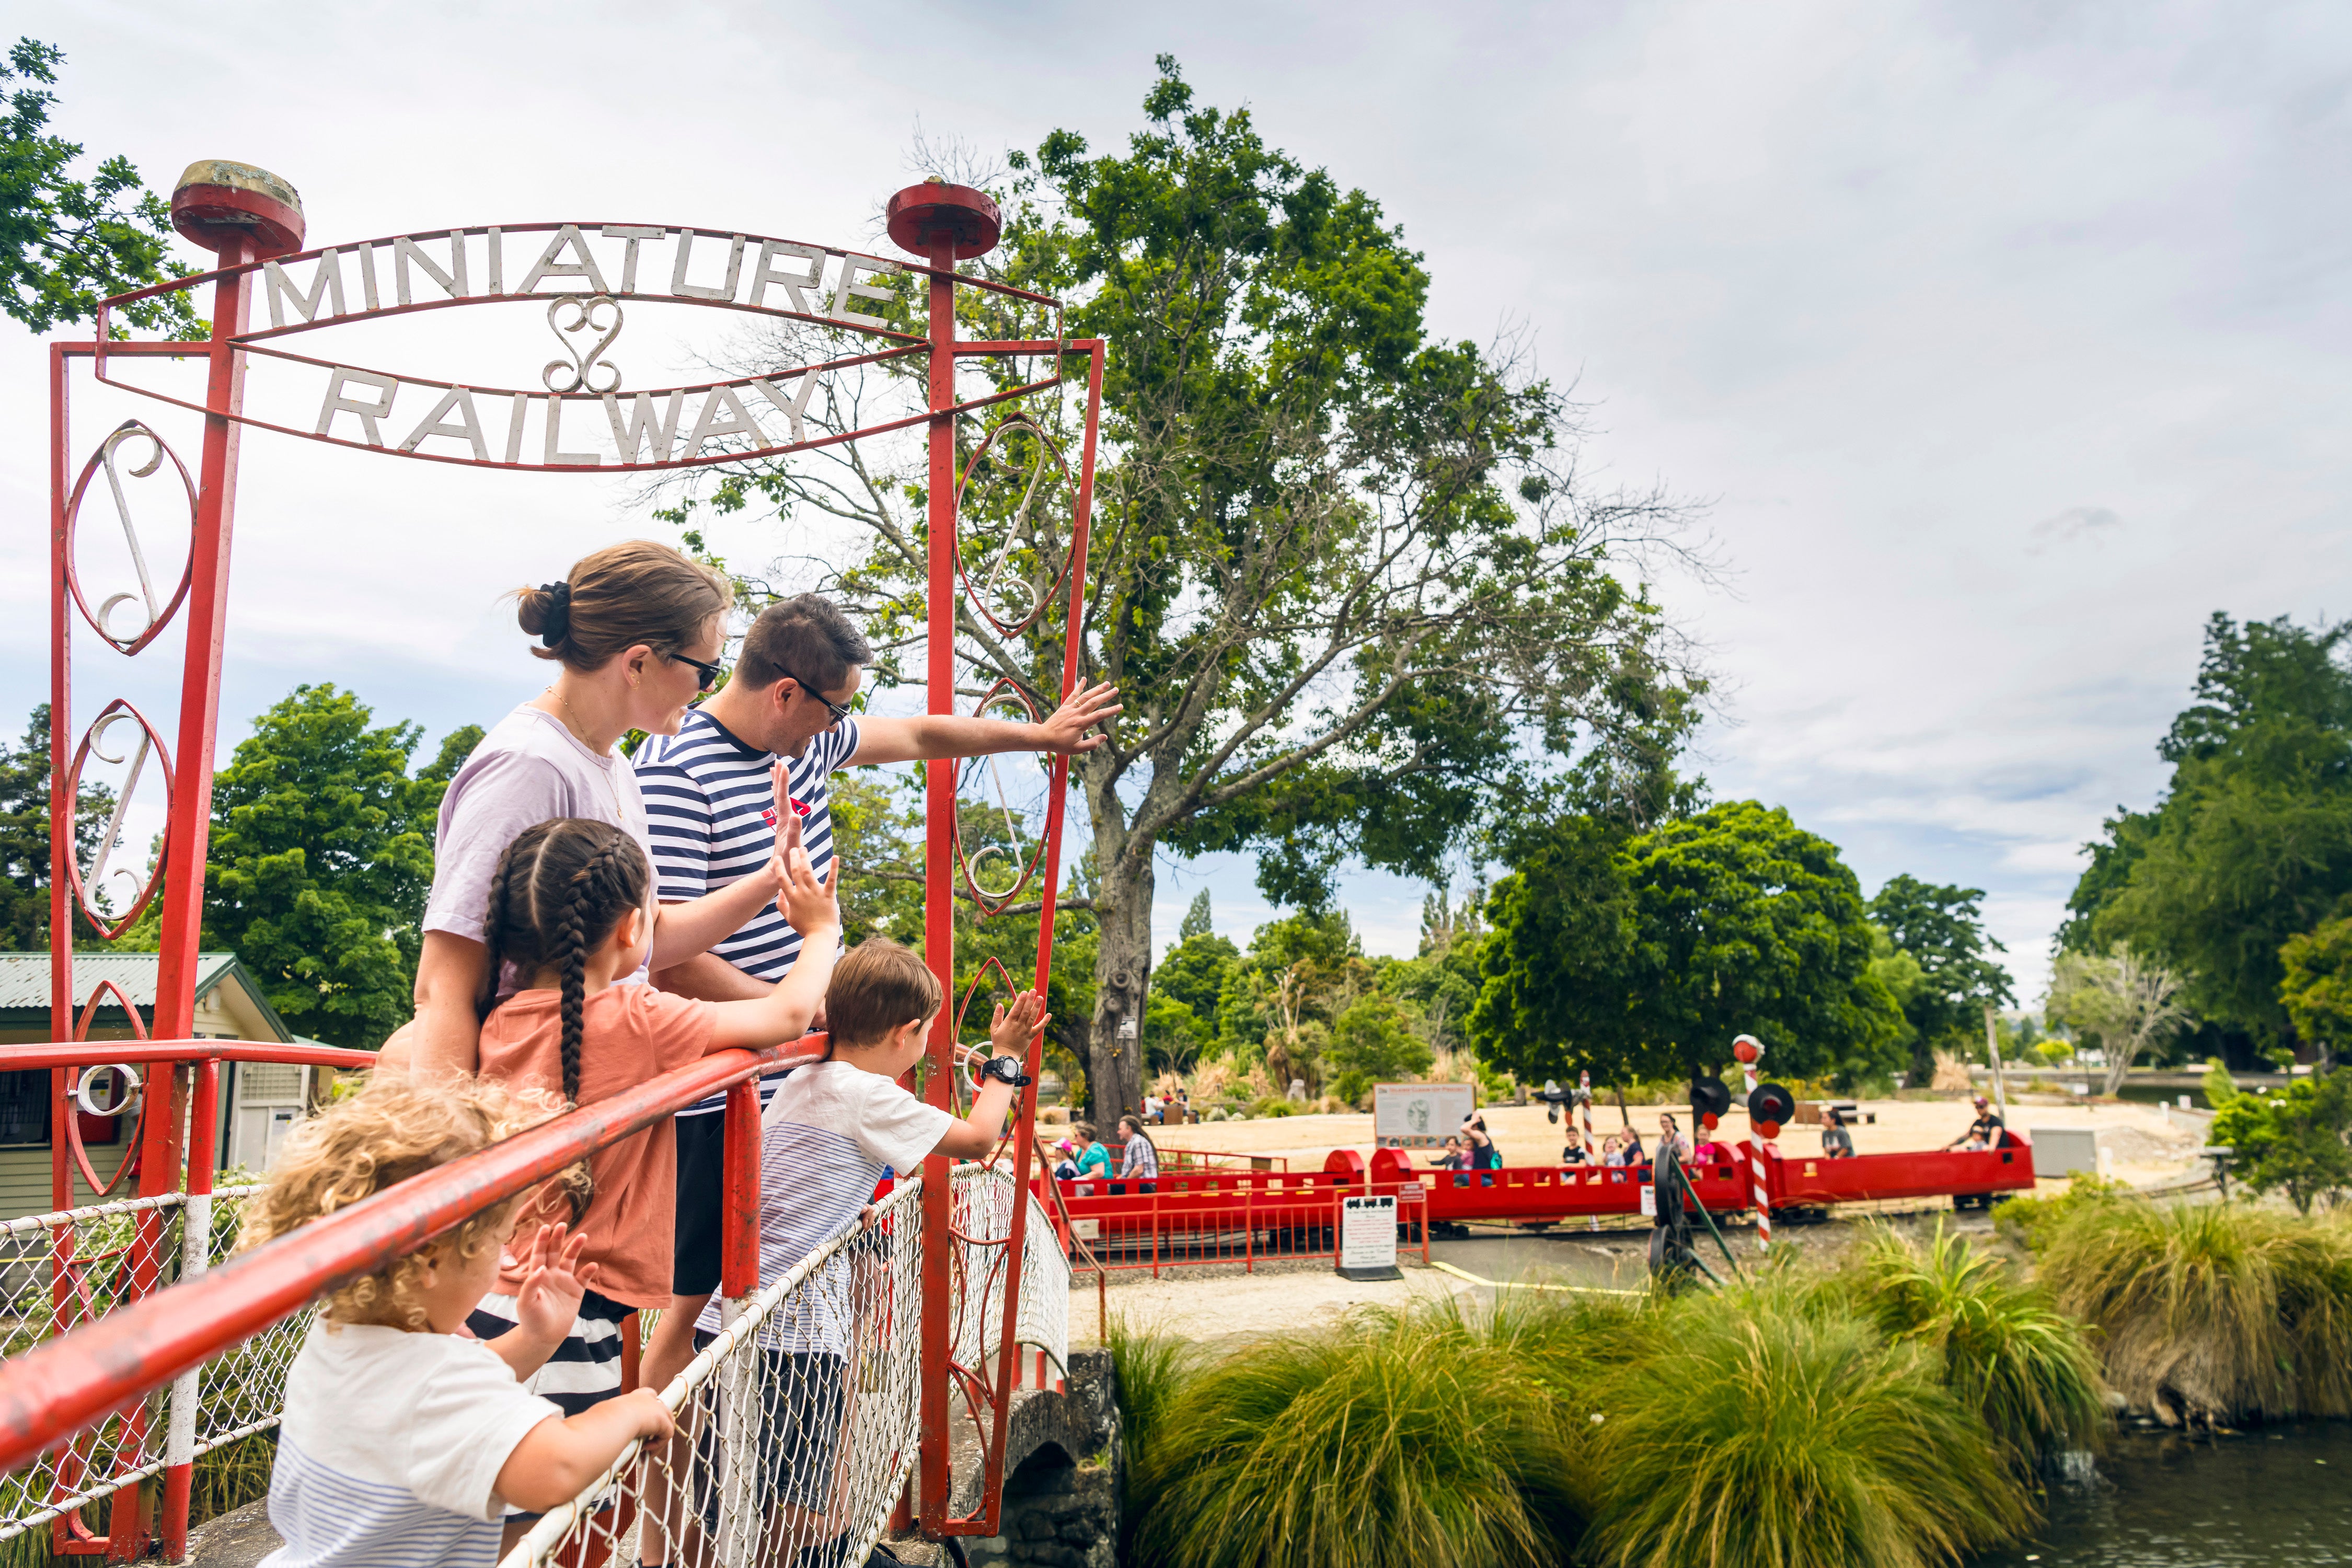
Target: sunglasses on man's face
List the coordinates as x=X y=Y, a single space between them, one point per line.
x=708 y=672
x=839 y=710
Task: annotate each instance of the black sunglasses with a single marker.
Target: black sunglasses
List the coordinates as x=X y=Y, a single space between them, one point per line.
x=710 y=672
x=839 y=710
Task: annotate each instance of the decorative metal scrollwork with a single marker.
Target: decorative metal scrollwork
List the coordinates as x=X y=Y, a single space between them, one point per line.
x=999 y=871
x=87 y=882
x=578 y=374
x=1000 y=570
x=109 y=460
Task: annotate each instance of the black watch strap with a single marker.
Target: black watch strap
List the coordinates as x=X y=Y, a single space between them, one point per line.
x=1006 y=1069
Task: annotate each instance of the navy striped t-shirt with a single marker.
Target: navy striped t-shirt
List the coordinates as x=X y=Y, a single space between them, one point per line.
x=711 y=813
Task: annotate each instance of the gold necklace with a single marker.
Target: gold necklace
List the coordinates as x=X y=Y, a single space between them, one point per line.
x=580 y=733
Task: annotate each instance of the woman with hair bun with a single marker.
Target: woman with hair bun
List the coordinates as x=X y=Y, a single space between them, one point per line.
x=635 y=631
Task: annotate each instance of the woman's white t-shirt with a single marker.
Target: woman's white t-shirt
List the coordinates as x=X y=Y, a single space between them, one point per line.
x=528 y=770
x=390 y=1450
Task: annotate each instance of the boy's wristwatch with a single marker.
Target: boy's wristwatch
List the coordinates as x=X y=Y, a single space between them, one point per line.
x=1005 y=1070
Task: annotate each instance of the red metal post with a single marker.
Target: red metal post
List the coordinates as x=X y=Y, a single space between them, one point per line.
x=739 y=1236
x=939 y=882
x=179 y=1472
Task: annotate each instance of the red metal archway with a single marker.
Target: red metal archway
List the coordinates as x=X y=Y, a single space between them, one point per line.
x=585 y=276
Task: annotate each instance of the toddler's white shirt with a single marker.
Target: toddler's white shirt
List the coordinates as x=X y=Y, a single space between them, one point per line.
x=389 y=1453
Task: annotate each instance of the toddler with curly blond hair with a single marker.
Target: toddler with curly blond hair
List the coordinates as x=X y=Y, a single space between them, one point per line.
x=404 y=1439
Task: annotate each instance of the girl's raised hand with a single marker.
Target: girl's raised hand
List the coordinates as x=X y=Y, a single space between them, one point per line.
x=806 y=901
x=553 y=1281
x=1010 y=1031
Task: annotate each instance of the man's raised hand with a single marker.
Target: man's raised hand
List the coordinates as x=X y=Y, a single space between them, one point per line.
x=1065 y=728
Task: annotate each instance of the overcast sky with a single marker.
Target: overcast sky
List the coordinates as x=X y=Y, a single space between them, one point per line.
x=2005 y=341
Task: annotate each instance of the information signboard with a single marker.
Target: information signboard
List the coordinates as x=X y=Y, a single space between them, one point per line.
x=1368 y=1238
x=1420 y=1115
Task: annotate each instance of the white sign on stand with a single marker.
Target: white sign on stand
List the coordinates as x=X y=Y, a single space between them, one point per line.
x=1649 y=1201
x=1368 y=1238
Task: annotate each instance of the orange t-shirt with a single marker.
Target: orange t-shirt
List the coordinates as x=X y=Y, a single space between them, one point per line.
x=632 y=1033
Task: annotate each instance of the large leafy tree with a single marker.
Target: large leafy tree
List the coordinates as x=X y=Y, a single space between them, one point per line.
x=65 y=244
x=321 y=857
x=1346 y=576
x=2298 y=1141
x=2251 y=842
x=1643 y=956
x=2317 y=988
x=1941 y=929
x=25 y=835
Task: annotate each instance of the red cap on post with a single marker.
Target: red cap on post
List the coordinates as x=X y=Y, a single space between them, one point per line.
x=218 y=203
x=923 y=217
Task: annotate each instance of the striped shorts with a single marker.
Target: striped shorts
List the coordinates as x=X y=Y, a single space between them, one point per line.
x=585 y=1369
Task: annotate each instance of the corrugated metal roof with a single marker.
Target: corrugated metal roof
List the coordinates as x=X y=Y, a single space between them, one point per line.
x=25 y=976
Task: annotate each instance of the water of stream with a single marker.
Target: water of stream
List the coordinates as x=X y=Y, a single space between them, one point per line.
x=2275 y=1496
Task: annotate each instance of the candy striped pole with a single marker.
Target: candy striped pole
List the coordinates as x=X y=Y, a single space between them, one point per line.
x=1749 y=1050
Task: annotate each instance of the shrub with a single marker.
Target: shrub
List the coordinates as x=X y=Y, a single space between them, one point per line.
x=2024 y=1368
x=1275 y=1105
x=1775 y=1427
x=2293 y=1142
x=1409 y=1439
x=2031 y=1222
x=2215 y=1313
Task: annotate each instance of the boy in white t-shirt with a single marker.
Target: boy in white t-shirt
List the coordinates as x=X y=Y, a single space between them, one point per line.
x=824 y=1141
x=401 y=1441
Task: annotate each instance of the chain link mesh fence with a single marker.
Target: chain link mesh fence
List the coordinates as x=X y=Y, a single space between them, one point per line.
x=58 y=1271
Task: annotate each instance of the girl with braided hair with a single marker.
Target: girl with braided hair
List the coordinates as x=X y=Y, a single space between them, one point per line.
x=570 y=914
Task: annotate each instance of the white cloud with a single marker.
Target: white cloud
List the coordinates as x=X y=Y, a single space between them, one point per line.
x=1891 y=281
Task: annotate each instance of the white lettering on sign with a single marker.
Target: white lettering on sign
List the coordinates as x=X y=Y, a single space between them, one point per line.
x=556 y=457
x=514 y=427
x=708 y=427
x=796 y=410
x=764 y=273
x=467 y=429
x=326 y=281
x=367 y=278
x=568 y=238
x=681 y=286
x=851 y=266
x=452 y=282
x=336 y=403
x=629 y=256
x=642 y=424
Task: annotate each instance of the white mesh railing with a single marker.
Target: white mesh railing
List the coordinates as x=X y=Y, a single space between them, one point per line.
x=797 y=1423
x=984 y=1226
x=60 y=1270
x=825 y=1367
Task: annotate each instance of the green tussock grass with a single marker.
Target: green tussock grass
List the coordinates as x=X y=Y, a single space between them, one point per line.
x=1779 y=1429
x=1150 y=1368
x=2218 y=1312
x=1398 y=1440
x=2026 y=1369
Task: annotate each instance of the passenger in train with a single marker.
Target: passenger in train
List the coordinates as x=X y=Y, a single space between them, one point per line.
x=1093 y=1158
x=405 y=1436
x=1837 y=1144
x=1575 y=1153
x=1984 y=1132
x=1671 y=1136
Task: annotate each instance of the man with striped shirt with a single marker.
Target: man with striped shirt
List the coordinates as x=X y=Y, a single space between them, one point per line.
x=768 y=742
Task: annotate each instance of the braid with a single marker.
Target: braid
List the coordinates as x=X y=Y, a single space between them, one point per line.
x=588 y=895
x=560 y=888
x=496 y=935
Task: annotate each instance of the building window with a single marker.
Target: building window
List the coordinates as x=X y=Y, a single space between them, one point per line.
x=25 y=1107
